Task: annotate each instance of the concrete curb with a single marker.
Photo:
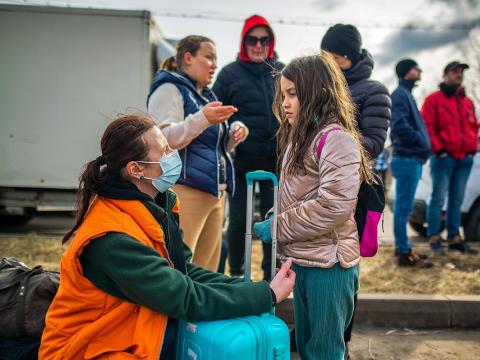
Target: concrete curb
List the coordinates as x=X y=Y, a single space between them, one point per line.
x=415 y=311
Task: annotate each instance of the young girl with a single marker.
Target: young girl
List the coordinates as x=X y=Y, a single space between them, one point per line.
x=318 y=196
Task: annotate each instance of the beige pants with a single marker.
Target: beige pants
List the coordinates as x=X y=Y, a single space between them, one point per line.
x=201 y=219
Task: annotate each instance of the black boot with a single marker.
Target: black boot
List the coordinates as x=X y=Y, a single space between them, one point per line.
x=412 y=259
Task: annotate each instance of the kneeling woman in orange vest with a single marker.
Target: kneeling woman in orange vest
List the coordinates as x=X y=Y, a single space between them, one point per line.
x=126 y=277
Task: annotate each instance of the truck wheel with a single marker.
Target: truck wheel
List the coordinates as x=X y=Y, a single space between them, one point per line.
x=421 y=229
x=17 y=220
x=472 y=225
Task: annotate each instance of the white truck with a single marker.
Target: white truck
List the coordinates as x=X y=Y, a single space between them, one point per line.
x=64 y=74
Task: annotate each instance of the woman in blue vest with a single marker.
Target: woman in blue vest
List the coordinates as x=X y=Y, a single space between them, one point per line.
x=195 y=123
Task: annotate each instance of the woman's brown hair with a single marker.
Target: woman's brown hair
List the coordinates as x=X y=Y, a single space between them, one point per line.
x=191 y=44
x=324 y=99
x=121 y=143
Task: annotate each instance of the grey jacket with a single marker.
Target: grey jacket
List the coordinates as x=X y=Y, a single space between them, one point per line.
x=316 y=225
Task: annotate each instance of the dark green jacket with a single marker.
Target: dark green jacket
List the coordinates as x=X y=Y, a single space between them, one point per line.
x=123 y=267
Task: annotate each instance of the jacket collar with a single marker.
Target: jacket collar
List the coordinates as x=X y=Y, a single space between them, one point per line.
x=408 y=84
x=361 y=70
x=206 y=92
x=117 y=189
x=269 y=66
x=449 y=90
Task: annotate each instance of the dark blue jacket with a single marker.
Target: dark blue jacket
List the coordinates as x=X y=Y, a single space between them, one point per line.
x=201 y=157
x=250 y=86
x=372 y=102
x=408 y=133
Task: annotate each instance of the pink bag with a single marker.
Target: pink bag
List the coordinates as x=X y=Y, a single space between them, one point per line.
x=370 y=205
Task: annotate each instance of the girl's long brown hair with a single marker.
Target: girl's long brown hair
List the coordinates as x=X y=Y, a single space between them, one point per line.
x=121 y=143
x=324 y=99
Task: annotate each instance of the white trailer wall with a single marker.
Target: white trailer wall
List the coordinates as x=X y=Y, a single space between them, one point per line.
x=64 y=73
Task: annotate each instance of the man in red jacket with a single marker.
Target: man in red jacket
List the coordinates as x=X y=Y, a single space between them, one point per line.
x=453 y=129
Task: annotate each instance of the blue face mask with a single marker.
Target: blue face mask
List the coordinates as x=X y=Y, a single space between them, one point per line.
x=171 y=166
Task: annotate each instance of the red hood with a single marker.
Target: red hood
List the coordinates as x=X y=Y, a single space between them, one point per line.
x=250 y=23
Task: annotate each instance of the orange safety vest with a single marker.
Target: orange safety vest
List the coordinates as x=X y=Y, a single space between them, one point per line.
x=83 y=321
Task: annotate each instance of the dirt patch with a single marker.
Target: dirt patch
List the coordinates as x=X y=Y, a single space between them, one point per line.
x=454 y=274
x=34 y=250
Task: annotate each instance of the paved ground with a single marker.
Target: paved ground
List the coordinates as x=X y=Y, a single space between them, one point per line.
x=369 y=343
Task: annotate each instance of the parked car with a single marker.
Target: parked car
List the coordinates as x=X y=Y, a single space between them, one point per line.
x=470 y=205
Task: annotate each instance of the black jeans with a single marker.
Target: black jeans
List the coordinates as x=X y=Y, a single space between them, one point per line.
x=237 y=225
x=347 y=335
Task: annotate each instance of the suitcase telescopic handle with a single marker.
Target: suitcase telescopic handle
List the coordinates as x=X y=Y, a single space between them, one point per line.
x=251 y=178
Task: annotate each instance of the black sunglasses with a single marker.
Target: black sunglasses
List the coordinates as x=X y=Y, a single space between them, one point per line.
x=253 y=40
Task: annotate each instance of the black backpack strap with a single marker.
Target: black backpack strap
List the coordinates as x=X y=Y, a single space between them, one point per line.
x=21 y=298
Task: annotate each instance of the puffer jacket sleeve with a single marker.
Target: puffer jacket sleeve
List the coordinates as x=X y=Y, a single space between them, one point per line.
x=166 y=106
x=339 y=182
x=401 y=127
x=223 y=89
x=374 y=119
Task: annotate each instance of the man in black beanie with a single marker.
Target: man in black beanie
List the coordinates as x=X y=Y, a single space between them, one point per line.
x=343 y=40
x=371 y=98
x=411 y=149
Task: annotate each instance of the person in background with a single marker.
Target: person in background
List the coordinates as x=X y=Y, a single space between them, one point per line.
x=248 y=84
x=371 y=98
x=411 y=149
x=453 y=129
x=195 y=123
x=126 y=276
x=381 y=166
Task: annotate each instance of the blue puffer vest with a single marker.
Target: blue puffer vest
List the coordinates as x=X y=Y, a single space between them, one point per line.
x=200 y=158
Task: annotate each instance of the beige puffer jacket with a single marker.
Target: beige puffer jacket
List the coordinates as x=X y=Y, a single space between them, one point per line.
x=316 y=224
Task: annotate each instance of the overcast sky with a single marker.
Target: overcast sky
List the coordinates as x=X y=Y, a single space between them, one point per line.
x=433 y=32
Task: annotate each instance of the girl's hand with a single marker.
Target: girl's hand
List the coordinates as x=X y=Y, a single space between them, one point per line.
x=239 y=132
x=216 y=113
x=282 y=284
x=262 y=230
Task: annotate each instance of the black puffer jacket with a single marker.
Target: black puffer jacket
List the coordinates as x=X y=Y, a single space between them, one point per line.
x=373 y=104
x=250 y=87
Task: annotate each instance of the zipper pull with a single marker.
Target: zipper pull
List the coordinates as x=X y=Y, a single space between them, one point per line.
x=383 y=218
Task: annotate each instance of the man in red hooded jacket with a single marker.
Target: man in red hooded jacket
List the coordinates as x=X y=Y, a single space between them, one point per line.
x=453 y=129
x=248 y=84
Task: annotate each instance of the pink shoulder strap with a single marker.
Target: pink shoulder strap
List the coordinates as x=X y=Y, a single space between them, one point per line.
x=321 y=143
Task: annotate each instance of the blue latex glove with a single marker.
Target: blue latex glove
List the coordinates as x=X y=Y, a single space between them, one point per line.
x=262 y=229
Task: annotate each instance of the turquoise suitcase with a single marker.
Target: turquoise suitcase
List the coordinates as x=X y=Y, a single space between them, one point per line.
x=264 y=337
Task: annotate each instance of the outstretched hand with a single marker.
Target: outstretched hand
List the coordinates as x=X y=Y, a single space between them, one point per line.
x=216 y=113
